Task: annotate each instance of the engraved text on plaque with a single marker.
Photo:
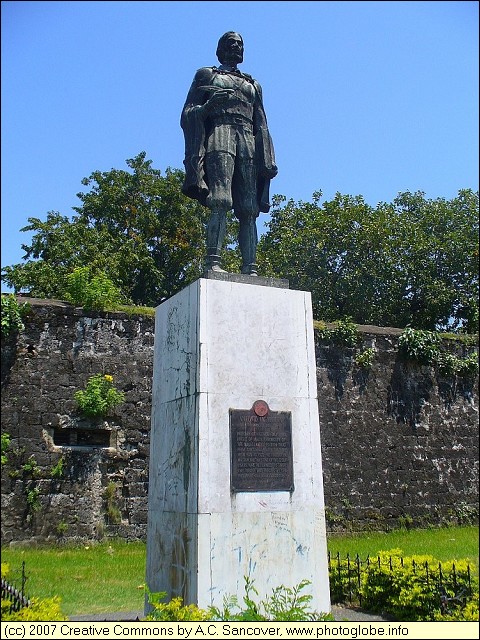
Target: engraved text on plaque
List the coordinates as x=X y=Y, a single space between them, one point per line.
x=261 y=449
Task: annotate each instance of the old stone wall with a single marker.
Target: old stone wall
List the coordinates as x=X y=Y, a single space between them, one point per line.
x=95 y=489
x=400 y=445
x=399 y=442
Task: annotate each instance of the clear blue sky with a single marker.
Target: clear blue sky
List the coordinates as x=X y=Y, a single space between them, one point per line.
x=369 y=98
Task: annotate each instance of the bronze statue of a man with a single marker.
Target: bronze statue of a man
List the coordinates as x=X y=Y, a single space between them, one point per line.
x=229 y=157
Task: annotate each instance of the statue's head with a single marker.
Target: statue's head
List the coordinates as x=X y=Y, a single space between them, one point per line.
x=230 y=48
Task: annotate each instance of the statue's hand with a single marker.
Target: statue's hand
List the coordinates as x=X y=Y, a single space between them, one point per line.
x=269 y=172
x=219 y=96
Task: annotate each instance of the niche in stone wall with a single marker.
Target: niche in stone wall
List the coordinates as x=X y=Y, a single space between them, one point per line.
x=83 y=437
x=72 y=432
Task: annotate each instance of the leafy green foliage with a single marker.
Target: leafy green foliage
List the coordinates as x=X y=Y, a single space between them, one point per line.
x=344 y=333
x=424 y=347
x=99 y=397
x=134 y=226
x=91 y=291
x=408 y=588
x=13 y=314
x=412 y=262
x=468 y=613
x=40 y=610
x=365 y=358
x=418 y=345
x=33 y=502
x=58 y=469
x=5 y=441
x=174 y=609
x=285 y=604
x=31 y=467
x=113 y=513
x=469 y=365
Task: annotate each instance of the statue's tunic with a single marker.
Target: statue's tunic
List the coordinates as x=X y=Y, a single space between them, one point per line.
x=238 y=128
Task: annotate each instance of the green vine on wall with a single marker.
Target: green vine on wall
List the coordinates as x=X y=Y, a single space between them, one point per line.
x=416 y=345
x=58 y=469
x=13 y=314
x=344 y=333
x=424 y=347
x=5 y=446
x=365 y=358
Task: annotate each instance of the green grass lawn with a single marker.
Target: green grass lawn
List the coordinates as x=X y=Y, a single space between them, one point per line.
x=109 y=576
x=96 y=578
x=456 y=543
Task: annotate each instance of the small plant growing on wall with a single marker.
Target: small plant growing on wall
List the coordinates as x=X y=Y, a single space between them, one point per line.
x=58 y=469
x=62 y=528
x=345 y=333
x=419 y=345
x=365 y=358
x=424 y=347
x=13 y=315
x=113 y=513
x=99 y=396
x=5 y=446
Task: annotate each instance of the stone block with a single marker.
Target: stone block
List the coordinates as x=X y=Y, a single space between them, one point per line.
x=221 y=346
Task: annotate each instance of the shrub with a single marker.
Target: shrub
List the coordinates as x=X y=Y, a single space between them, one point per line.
x=99 y=397
x=285 y=604
x=419 y=345
x=468 y=613
x=174 y=610
x=345 y=333
x=424 y=347
x=469 y=365
x=409 y=588
x=13 y=314
x=40 y=610
x=91 y=291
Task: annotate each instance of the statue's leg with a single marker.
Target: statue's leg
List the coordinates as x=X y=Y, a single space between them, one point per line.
x=246 y=205
x=247 y=239
x=216 y=229
x=219 y=165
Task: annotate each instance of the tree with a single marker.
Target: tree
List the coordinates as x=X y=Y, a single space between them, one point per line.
x=136 y=227
x=412 y=262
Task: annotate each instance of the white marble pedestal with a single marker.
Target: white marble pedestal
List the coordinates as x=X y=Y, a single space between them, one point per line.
x=221 y=346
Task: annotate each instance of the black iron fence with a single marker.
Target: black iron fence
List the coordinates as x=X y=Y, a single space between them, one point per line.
x=14 y=595
x=347 y=579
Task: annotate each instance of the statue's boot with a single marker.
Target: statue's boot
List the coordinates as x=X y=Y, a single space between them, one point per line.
x=247 y=240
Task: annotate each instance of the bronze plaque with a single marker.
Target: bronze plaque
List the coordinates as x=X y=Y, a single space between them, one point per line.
x=261 y=449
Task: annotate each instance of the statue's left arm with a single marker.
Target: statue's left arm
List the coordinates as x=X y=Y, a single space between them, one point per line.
x=264 y=152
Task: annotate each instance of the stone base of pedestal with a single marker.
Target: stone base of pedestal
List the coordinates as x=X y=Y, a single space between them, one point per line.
x=235 y=462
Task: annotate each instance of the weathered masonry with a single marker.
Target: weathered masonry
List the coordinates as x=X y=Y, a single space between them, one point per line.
x=399 y=443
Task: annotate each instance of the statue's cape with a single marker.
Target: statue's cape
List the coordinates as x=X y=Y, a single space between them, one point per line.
x=193 y=125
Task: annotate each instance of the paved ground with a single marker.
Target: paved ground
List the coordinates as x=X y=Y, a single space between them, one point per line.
x=356 y=615
x=340 y=614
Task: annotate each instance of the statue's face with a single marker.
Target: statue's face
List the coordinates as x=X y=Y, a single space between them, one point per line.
x=232 y=52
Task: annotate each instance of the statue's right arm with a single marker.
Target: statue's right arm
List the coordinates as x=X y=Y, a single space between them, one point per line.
x=196 y=97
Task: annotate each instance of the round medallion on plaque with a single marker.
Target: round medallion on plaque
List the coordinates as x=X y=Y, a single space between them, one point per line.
x=260 y=408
